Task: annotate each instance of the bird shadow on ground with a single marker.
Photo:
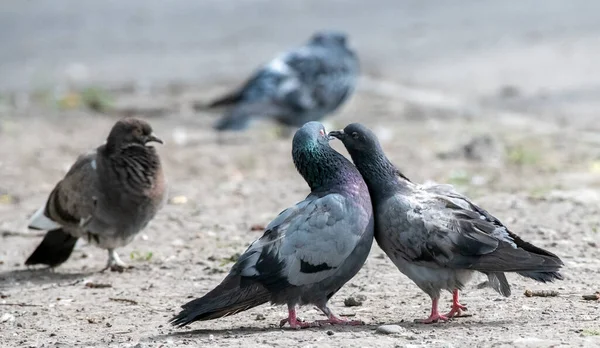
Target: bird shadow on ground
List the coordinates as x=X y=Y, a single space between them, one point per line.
x=465 y=322
x=253 y=330
x=39 y=276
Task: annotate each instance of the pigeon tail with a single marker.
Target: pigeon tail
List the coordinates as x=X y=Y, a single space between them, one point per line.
x=543 y=277
x=55 y=248
x=514 y=260
x=235 y=120
x=240 y=116
x=228 y=99
x=228 y=298
x=499 y=283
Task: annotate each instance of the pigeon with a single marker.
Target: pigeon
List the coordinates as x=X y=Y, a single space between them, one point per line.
x=298 y=86
x=309 y=251
x=107 y=197
x=436 y=236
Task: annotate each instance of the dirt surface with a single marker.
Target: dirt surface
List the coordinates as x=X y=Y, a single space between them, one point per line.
x=542 y=179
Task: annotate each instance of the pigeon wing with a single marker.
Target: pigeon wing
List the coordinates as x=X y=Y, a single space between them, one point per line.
x=305 y=244
x=72 y=201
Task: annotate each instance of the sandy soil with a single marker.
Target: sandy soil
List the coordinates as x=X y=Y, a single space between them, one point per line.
x=540 y=178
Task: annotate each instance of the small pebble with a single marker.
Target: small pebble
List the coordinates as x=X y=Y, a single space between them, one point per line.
x=390 y=329
x=330 y=333
x=7 y=317
x=354 y=301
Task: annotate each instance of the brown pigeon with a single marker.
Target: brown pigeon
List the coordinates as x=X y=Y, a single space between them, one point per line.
x=107 y=197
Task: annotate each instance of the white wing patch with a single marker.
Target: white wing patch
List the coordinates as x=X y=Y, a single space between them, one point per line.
x=41 y=221
x=280 y=66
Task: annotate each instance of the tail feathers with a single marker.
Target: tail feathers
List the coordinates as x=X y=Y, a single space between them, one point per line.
x=508 y=259
x=240 y=116
x=226 y=299
x=233 y=121
x=499 y=283
x=55 y=248
x=543 y=277
x=228 y=99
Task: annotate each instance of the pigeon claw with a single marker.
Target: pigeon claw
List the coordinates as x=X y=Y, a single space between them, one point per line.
x=433 y=318
x=457 y=308
x=297 y=324
x=456 y=311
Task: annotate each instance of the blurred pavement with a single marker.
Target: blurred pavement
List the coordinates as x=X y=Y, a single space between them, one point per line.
x=541 y=53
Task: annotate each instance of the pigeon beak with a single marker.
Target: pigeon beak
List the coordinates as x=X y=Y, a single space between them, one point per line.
x=337 y=134
x=153 y=138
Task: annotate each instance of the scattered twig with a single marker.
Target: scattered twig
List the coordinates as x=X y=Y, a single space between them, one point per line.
x=593 y=297
x=541 y=293
x=75 y=282
x=133 y=302
x=20 y=304
x=97 y=285
x=9 y=233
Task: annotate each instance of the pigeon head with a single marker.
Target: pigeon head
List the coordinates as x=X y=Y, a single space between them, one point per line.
x=311 y=135
x=319 y=164
x=368 y=156
x=358 y=140
x=329 y=38
x=131 y=131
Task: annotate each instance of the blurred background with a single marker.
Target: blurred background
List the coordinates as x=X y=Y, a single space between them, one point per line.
x=534 y=55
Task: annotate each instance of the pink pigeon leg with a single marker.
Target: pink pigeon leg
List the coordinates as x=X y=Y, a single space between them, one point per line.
x=435 y=315
x=334 y=320
x=457 y=308
x=293 y=320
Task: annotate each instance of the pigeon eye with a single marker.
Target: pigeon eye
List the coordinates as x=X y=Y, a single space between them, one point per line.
x=355 y=135
x=322 y=132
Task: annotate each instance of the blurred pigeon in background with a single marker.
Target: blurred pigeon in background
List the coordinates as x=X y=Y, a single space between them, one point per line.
x=309 y=251
x=301 y=85
x=436 y=236
x=107 y=197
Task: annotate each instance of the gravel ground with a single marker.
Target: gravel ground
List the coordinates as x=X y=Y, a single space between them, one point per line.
x=541 y=179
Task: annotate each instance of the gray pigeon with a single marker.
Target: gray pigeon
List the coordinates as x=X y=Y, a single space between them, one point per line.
x=301 y=85
x=436 y=236
x=309 y=251
x=107 y=197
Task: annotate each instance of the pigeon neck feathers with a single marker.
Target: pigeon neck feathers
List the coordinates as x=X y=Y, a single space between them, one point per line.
x=136 y=166
x=126 y=161
x=324 y=169
x=381 y=176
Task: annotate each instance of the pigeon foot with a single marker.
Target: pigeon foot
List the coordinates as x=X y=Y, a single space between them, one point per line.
x=456 y=311
x=115 y=264
x=457 y=308
x=294 y=322
x=435 y=316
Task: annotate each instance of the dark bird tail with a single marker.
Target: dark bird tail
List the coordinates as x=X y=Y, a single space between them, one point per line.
x=234 y=120
x=55 y=248
x=228 y=99
x=543 y=277
x=228 y=298
x=239 y=117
